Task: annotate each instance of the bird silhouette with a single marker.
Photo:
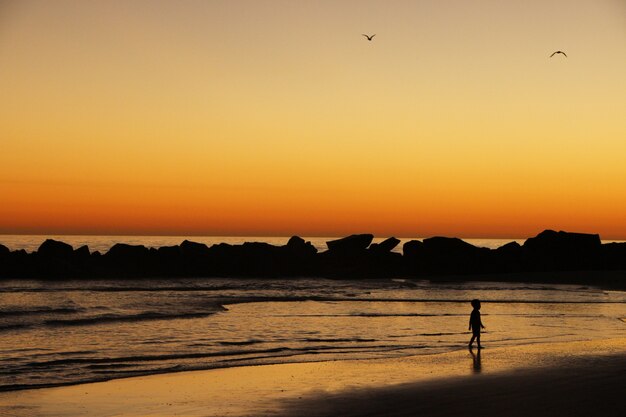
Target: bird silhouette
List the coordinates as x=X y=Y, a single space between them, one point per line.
x=369 y=38
x=558 y=52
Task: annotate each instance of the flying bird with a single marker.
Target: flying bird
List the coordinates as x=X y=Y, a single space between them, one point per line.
x=369 y=38
x=558 y=52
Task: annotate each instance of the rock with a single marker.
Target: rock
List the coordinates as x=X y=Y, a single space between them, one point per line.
x=4 y=251
x=550 y=241
x=412 y=248
x=614 y=256
x=82 y=252
x=125 y=251
x=193 y=249
x=550 y=251
x=511 y=247
x=133 y=260
x=448 y=246
x=444 y=255
x=350 y=245
x=298 y=247
x=385 y=246
x=55 y=249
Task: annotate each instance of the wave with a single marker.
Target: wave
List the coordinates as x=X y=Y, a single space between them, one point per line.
x=77 y=317
x=112 y=318
x=228 y=354
x=38 y=311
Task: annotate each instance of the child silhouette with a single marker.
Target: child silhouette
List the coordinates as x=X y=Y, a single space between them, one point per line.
x=475 y=324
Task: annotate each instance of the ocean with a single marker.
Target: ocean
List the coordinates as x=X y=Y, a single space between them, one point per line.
x=68 y=332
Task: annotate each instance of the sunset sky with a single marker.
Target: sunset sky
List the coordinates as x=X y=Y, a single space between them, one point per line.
x=277 y=117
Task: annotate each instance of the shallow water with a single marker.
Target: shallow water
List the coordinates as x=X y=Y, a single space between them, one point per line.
x=70 y=332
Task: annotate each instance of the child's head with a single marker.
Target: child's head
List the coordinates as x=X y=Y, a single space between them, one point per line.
x=476 y=303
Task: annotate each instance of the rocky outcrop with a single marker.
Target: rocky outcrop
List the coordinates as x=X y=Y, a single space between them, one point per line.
x=351 y=257
x=385 y=246
x=55 y=249
x=350 y=245
x=551 y=250
x=444 y=255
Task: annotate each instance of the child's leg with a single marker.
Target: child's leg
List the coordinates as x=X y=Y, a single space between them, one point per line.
x=478 y=341
x=472 y=340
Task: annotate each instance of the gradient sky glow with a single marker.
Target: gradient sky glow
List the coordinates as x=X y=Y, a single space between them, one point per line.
x=277 y=117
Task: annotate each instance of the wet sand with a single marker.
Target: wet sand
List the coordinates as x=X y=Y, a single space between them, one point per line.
x=573 y=379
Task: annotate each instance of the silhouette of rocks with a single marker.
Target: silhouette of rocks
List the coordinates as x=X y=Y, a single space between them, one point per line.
x=55 y=249
x=350 y=245
x=194 y=258
x=613 y=256
x=444 y=255
x=386 y=245
x=168 y=260
x=551 y=250
x=298 y=247
x=56 y=260
x=350 y=257
x=129 y=260
x=4 y=251
x=82 y=252
x=193 y=249
x=507 y=258
x=412 y=248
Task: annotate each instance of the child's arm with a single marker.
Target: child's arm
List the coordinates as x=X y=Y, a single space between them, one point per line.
x=481 y=322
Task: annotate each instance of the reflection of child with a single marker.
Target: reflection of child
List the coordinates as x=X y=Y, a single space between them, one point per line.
x=475 y=324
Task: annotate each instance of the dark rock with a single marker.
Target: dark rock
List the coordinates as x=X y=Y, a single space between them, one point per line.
x=169 y=260
x=298 y=247
x=549 y=240
x=448 y=245
x=125 y=251
x=169 y=251
x=444 y=255
x=195 y=258
x=412 y=248
x=295 y=241
x=82 y=252
x=55 y=249
x=613 y=256
x=550 y=251
x=193 y=249
x=385 y=246
x=82 y=259
x=350 y=245
x=131 y=260
x=511 y=247
x=4 y=251
x=507 y=258
x=54 y=260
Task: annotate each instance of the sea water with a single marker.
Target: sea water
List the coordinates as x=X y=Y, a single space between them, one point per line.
x=80 y=331
x=56 y=333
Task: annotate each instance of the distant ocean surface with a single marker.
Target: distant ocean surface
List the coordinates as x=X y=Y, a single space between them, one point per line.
x=56 y=333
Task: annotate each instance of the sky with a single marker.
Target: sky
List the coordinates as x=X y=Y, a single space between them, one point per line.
x=272 y=117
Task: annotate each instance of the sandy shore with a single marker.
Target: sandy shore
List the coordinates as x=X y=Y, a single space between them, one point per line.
x=570 y=379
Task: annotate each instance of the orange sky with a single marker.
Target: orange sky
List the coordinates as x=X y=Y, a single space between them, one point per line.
x=277 y=117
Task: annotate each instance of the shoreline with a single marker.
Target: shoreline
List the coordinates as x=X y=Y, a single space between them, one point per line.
x=384 y=386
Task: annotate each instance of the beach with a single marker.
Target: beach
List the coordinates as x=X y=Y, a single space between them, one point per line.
x=573 y=378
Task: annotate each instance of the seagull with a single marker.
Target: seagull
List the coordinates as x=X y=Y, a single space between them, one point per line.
x=369 y=38
x=558 y=52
